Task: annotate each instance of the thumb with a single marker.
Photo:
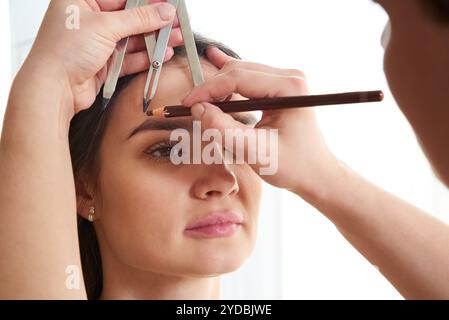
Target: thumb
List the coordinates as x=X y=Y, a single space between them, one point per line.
x=144 y=19
x=245 y=145
x=212 y=117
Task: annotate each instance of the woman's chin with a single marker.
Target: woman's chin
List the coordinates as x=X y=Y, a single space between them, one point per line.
x=216 y=270
x=223 y=264
x=218 y=263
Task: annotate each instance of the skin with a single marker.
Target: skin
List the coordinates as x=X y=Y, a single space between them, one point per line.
x=145 y=253
x=408 y=245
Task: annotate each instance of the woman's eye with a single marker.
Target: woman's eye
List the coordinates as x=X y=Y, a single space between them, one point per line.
x=161 y=149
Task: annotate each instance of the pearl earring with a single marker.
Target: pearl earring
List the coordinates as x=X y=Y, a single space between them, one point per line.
x=90 y=217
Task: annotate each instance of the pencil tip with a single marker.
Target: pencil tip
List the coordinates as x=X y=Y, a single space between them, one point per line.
x=146 y=104
x=105 y=103
x=150 y=113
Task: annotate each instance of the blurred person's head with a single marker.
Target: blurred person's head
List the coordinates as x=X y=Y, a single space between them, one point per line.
x=417 y=68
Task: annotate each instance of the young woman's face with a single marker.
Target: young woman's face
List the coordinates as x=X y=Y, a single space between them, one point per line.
x=417 y=68
x=146 y=204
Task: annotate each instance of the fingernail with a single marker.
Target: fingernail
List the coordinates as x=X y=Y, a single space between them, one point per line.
x=166 y=11
x=224 y=99
x=197 y=111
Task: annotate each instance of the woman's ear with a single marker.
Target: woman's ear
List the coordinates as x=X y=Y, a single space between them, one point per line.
x=84 y=197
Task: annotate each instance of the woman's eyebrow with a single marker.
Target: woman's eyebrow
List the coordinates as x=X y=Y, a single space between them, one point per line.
x=155 y=124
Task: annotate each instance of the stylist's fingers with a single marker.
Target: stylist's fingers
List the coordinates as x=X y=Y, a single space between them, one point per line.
x=108 y=5
x=176 y=22
x=138 y=62
x=212 y=117
x=248 y=83
x=137 y=43
x=217 y=57
x=225 y=63
x=125 y=23
x=112 y=5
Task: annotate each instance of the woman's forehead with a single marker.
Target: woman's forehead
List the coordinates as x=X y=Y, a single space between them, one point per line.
x=174 y=85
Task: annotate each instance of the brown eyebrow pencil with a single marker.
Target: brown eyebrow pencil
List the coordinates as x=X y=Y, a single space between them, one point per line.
x=276 y=103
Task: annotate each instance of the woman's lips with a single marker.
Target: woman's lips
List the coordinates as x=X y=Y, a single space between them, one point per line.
x=217 y=224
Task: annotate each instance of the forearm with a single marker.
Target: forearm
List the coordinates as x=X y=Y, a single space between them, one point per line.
x=39 y=99
x=408 y=245
x=38 y=232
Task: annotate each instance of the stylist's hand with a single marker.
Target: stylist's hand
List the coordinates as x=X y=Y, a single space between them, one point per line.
x=78 y=58
x=304 y=159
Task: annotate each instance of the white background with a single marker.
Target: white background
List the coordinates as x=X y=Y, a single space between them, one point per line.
x=299 y=254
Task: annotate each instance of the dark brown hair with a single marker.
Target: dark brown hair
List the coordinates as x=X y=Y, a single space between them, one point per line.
x=86 y=133
x=437 y=10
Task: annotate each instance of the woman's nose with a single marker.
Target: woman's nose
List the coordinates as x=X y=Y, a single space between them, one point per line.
x=216 y=180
